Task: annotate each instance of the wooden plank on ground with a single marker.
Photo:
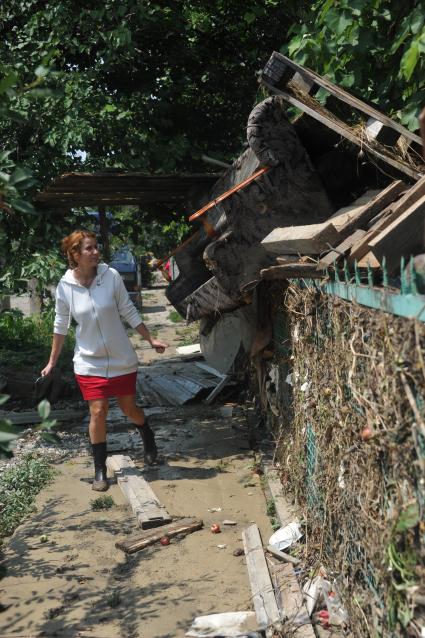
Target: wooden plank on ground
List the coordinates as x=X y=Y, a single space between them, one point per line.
x=388 y=215
x=30 y=417
x=183 y=526
x=341 y=250
x=311 y=239
x=290 y=600
x=283 y=556
x=291 y=271
x=146 y=507
x=263 y=595
x=402 y=238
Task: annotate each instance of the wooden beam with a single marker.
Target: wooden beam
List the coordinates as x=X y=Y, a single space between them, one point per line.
x=341 y=250
x=148 y=510
x=311 y=239
x=390 y=214
x=403 y=237
x=283 y=556
x=312 y=77
x=323 y=116
x=27 y=418
x=292 y=271
x=263 y=596
x=182 y=527
x=350 y=221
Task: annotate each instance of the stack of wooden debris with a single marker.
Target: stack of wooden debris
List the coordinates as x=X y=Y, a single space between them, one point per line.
x=372 y=234
x=148 y=510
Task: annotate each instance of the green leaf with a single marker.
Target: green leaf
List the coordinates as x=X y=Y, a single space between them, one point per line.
x=44 y=409
x=22 y=206
x=41 y=71
x=249 y=17
x=8 y=81
x=410 y=60
x=109 y=108
x=408 y=518
x=21 y=178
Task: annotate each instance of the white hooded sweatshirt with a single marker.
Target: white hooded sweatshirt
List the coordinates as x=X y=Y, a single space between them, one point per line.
x=102 y=347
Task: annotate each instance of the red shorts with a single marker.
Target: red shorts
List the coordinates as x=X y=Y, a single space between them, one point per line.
x=103 y=388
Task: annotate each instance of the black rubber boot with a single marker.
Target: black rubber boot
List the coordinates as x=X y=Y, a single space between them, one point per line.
x=100 y=482
x=148 y=437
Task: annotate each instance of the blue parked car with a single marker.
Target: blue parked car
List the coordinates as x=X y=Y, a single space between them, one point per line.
x=124 y=261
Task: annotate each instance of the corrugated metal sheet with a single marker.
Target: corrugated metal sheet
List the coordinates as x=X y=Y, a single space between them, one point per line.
x=174 y=383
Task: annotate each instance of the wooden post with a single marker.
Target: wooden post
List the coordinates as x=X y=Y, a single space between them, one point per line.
x=104 y=234
x=422 y=128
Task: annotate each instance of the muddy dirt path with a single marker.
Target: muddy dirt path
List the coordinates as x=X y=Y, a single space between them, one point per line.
x=78 y=584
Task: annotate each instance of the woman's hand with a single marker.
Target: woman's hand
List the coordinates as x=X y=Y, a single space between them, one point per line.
x=158 y=345
x=47 y=370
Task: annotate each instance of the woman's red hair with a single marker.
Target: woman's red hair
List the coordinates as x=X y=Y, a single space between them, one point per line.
x=71 y=244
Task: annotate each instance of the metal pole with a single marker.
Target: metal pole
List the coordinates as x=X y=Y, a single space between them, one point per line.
x=104 y=233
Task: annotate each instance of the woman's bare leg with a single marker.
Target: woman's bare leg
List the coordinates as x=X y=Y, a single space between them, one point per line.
x=128 y=405
x=98 y=413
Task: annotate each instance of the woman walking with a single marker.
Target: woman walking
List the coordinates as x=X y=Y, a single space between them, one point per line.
x=105 y=363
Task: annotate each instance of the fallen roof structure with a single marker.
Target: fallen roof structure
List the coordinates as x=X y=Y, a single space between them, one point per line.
x=294 y=183
x=119 y=188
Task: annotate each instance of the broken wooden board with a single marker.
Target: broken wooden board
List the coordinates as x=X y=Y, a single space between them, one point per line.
x=341 y=250
x=32 y=416
x=146 y=507
x=183 y=526
x=388 y=215
x=263 y=596
x=311 y=239
x=290 y=600
x=283 y=556
x=292 y=271
x=402 y=238
x=346 y=223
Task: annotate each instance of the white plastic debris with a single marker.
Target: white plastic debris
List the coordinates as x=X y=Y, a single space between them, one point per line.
x=305 y=386
x=214 y=509
x=221 y=546
x=289 y=379
x=312 y=591
x=230 y=624
x=286 y=536
x=337 y=613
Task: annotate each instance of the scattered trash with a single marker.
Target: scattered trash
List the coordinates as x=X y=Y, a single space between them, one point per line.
x=341 y=480
x=221 y=546
x=337 y=613
x=305 y=386
x=44 y=538
x=215 y=528
x=233 y=623
x=286 y=536
x=288 y=379
x=214 y=509
x=226 y=411
x=227 y=522
x=312 y=591
x=165 y=541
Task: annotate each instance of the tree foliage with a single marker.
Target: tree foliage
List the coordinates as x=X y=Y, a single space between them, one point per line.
x=373 y=48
